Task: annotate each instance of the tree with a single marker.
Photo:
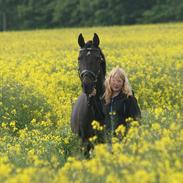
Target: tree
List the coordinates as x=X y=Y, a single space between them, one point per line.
x=8 y=13
x=31 y=14
x=66 y=13
x=35 y=14
x=164 y=11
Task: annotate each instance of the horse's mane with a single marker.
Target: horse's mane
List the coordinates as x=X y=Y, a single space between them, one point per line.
x=103 y=63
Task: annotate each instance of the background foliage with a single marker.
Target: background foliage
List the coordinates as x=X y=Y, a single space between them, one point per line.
x=33 y=14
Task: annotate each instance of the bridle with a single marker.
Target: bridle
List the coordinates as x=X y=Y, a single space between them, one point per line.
x=85 y=72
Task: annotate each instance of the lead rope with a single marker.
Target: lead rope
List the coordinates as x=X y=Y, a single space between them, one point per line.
x=110 y=134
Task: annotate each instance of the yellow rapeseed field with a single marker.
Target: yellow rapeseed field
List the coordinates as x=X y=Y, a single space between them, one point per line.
x=39 y=83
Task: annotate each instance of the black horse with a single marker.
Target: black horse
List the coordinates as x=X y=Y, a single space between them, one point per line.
x=92 y=70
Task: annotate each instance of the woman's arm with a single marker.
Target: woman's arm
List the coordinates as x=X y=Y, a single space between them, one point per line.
x=133 y=108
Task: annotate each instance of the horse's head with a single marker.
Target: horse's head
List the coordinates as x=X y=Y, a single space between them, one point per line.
x=91 y=63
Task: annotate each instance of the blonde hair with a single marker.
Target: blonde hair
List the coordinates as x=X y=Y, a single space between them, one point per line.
x=119 y=72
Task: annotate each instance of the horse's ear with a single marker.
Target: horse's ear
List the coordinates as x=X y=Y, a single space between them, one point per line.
x=81 y=41
x=96 y=40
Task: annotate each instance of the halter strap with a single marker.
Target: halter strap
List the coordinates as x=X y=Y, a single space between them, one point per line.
x=95 y=49
x=90 y=72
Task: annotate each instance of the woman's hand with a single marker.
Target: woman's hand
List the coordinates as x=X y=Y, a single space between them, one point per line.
x=94 y=92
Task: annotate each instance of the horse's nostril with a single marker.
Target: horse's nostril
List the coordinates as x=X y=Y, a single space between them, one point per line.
x=87 y=80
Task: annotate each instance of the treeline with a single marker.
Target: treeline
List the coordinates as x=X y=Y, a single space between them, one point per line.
x=31 y=14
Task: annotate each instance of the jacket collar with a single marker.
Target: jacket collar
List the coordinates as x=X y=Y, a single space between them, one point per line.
x=119 y=96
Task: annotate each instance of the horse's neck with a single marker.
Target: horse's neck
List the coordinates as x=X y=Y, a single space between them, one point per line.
x=96 y=108
x=96 y=102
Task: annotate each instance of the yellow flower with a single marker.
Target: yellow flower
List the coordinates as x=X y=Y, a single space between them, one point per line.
x=156 y=126
x=96 y=126
x=120 y=130
x=14 y=111
x=5 y=170
x=33 y=122
x=128 y=120
x=4 y=125
x=93 y=139
x=135 y=123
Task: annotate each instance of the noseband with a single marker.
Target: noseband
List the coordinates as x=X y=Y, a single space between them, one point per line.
x=86 y=72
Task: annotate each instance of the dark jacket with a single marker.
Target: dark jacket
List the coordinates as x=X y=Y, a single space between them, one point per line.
x=119 y=109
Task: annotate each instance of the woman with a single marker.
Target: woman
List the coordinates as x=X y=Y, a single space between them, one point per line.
x=119 y=100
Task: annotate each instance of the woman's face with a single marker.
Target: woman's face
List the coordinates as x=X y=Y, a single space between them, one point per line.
x=116 y=83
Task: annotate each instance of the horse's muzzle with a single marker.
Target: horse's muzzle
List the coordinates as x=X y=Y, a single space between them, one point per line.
x=88 y=85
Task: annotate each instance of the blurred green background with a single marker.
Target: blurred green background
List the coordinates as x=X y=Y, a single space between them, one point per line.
x=34 y=14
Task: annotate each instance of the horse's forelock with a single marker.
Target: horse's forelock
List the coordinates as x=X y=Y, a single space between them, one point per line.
x=89 y=44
